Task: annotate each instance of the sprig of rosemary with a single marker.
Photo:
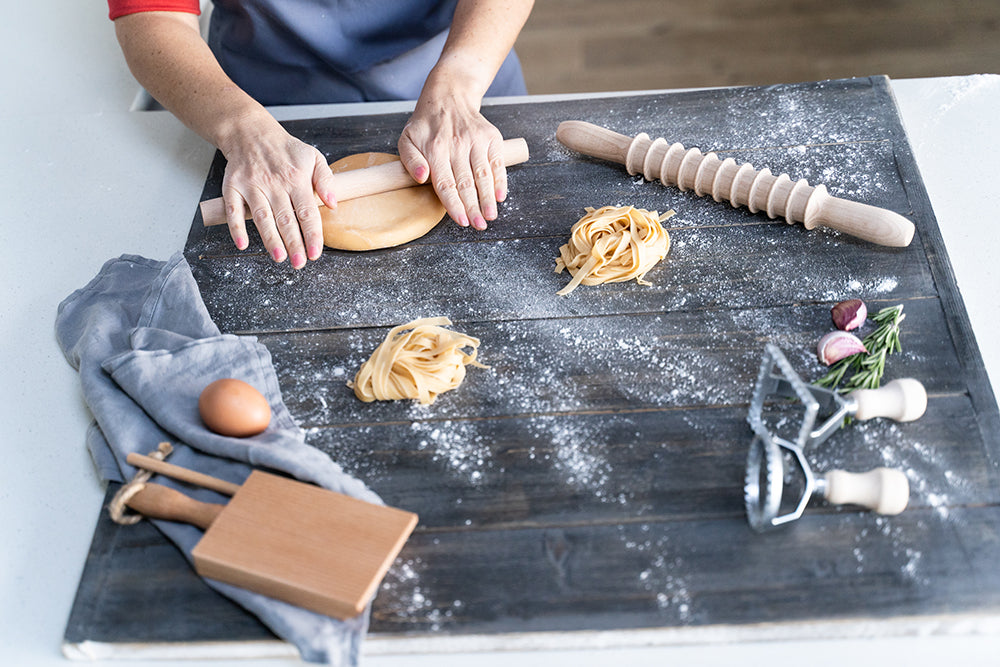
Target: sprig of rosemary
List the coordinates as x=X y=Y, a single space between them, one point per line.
x=867 y=368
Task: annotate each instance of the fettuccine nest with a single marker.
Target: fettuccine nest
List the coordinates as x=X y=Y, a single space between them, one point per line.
x=418 y=360
x=613 y=244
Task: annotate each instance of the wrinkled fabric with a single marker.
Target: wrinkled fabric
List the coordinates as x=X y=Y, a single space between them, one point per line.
x=145 y=346
x=327 y=51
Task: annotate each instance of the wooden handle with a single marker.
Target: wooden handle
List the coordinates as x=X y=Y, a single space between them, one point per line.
x=904 y=400
x=739 y=184
x=593 y=140
x=159 y=502
x=182 y=474
x=364 y=182
x=866 y=222
x=883 y=490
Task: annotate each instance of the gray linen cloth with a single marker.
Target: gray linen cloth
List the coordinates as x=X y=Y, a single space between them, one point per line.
x=145 y=346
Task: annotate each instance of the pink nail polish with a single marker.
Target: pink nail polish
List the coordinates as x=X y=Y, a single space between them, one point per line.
x=478 y=222
x=298 y=260
x=501 y=194
x=314 y=252
x=420 y=173
x=242 y=243
x=278 y=254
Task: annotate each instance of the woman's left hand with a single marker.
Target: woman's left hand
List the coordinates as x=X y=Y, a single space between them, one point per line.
x=449 y=141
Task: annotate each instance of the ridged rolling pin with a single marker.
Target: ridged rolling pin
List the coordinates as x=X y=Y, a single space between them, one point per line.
x=364 y=182
x=739 y=184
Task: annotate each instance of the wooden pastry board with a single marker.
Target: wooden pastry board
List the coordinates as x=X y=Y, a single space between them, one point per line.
x=591 y=479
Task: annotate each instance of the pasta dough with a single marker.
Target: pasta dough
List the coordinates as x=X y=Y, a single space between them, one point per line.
x=613 y=244
x=420 y=360
x=383 y=220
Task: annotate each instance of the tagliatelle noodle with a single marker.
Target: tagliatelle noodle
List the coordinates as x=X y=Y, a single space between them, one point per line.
x=417 y=360
x=613 y=244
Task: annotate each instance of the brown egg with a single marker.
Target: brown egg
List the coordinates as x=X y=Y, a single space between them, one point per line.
x=233 y=407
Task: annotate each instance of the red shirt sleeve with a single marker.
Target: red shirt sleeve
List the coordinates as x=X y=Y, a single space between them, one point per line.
x=118 y=8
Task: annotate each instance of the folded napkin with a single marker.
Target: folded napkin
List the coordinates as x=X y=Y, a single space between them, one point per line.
x=145 y=346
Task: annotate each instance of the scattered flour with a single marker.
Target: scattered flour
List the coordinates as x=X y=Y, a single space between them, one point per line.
x=459 y=446
x=403 y=597
x=661 y=577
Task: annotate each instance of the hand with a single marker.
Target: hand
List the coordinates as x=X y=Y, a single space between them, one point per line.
x=277 y=177
x=449 y=141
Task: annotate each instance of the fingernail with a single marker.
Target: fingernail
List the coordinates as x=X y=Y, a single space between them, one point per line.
x=490 y=213
x=478 y=222
x=501 y=194
x=298 y=260
x=420 y=173
x=242 y=243
x=278 y=254
x=462 y=221
x=315 y=251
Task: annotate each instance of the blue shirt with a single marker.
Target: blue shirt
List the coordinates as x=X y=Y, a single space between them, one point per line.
x=323 y=51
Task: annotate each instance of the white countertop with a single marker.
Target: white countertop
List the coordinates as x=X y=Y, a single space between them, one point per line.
x=86 y=180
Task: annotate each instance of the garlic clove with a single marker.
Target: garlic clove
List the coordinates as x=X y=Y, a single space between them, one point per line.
x=838 y=345
x=848 y=315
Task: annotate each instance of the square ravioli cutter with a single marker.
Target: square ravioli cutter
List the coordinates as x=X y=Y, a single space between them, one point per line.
x=773 y=459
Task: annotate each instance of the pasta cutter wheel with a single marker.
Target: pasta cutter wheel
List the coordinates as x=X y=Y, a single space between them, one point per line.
x=883 y=490
x=902 y=400
x=771 y=457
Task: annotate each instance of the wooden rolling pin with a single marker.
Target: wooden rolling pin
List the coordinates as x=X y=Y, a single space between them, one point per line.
x=739 y=184
x=364 y=182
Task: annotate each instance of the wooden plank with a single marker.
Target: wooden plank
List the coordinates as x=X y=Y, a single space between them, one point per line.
x=591 y=478
x=732 y=268
x=623 y=466
x=673 y=359
x=787 y=123
x=638 y=574
x=696 y=573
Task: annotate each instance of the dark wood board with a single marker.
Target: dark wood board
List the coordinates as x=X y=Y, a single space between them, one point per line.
x=591 y=477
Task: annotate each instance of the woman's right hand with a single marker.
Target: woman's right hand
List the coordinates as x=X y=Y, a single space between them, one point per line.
x=271 y=172
x=276 y=175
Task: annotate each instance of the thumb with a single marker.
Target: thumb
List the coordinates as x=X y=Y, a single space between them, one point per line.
x=413 y=160
x=322 y=181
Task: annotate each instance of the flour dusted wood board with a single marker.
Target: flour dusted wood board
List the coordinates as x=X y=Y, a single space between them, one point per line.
x=592 y=477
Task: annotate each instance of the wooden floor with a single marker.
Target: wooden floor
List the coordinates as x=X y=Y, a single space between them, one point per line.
x=594 y=45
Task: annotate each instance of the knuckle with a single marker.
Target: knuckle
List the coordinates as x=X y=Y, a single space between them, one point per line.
x=445 y=186
x=261 y=214
x=465 y=184
x=285 y=220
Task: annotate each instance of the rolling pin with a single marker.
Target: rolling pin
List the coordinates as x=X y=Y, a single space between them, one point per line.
x=363 y=182
x=739 y=184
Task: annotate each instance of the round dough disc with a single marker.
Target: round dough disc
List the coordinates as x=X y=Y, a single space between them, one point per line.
x=383 y=220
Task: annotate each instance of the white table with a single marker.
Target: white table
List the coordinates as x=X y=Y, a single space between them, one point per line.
x=86 y=180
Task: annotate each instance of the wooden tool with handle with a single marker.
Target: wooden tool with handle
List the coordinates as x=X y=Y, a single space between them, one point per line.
x=903 y=400
x=292 y=541
x=882 y=490
x=363 y=182
x=739 y=184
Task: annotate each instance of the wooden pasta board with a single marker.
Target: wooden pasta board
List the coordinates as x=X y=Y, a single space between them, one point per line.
x=302 y=544
x=591 y=478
